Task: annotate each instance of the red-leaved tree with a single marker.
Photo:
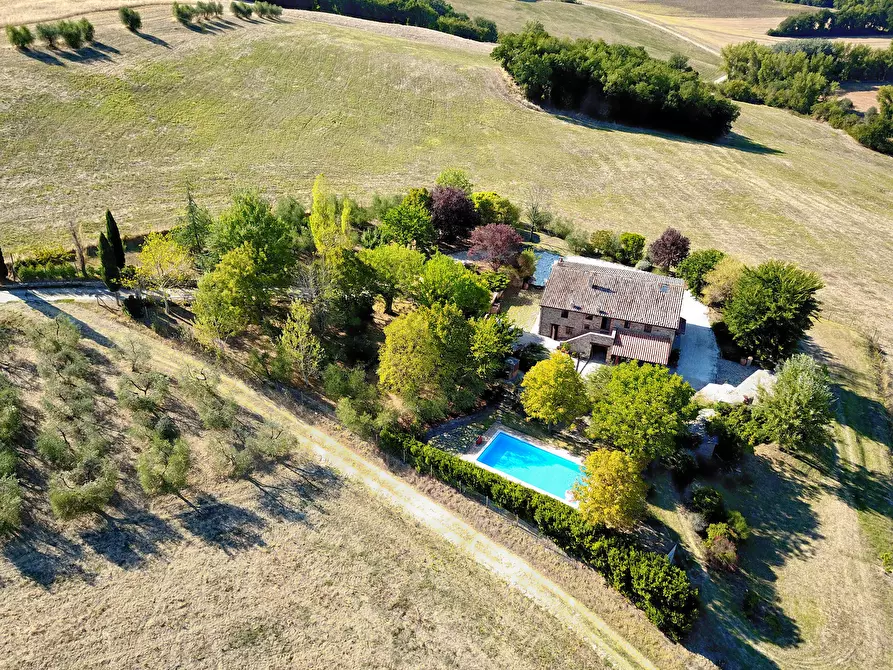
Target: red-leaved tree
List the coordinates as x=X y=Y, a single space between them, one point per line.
x=496 y=243
x=670 y=249
x=452 y=212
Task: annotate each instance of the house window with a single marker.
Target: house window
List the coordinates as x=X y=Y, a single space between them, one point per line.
x=589 y=317
x=626 y=324
x=647 y=327
x=568 y=330
x=606 y=323
x=564 y=314
x=586 y=326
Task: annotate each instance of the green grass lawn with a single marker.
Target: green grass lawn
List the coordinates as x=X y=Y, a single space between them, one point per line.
x=565 y=19
x=272 y=105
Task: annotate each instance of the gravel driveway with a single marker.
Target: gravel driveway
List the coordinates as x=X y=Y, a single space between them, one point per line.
x=699 y=354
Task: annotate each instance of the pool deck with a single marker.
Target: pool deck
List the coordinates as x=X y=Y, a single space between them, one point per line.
x=497 y=427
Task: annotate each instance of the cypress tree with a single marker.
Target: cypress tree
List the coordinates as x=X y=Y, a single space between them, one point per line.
x=110 y=274
x=4 y=271
x=114 y=237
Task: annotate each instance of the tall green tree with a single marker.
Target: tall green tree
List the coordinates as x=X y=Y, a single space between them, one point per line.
x=114 y=237
x=328 y=233
x=230 y=297
x=797 y=410
x=612 y=492
x=771 y=307
x=446 y=280
x=553 y=391
x=164 y=264
x=250 y=220
x=396 y=269
x=300 y=347
x=492 y=341
x=642 y=410
x=696 y=267
x=108 y=265
x=4 y=271
x=409 y=224
x=195 y=226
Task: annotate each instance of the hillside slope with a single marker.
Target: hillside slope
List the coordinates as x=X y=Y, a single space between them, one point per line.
x=384 y=107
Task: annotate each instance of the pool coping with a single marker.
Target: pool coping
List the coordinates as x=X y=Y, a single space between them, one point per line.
x=498 y=427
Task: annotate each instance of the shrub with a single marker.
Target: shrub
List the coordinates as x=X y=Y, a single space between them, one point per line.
x=736 y=431
x=10 y=504
x=266 y=10
x=708 y=501
x=130 y=18
x=49 y=33
x=495 y=281
x=644 y=264
x=683 y=467
x=20 y=36
x=183 y=13
x=652 y=584
x=493 y=208
x=355 y=418
x=72 y=34
x=241 y=10
x=163 y=467
x=88 y=32
x=134 y=307
x=578 y=241
x=738 y=526
x=8 y=462
x=721 y=550
x=90 y=496
x=166 y=429
x=694 y=268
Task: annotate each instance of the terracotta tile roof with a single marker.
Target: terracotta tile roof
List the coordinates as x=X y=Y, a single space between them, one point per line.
x=641 y=347
x=615 y=291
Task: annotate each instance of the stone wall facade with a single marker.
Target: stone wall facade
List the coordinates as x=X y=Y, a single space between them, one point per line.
x=577 y=323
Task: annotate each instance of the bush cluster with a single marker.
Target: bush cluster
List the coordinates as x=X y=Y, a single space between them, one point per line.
x=267 y=10
x=130 y=18
x=20 y=37
x=200 y=11
x=433 y=14
x=74 y=33
x=660 y=589
x=615 y=82
x=10 y=425
x=736 y=430
x=241 y=10
x=727 y=529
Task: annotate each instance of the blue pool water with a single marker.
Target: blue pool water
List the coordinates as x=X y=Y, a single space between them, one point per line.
x=531 y=465
x=544 y=262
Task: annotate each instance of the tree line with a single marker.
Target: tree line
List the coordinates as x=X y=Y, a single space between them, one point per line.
x=803 y=77
x=614 y=82
x=433 y=14
x=840 y=18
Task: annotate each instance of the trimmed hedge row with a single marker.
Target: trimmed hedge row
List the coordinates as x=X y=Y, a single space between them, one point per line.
x=651 y=583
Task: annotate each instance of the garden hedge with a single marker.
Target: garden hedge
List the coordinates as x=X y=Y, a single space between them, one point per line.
x=647 y=578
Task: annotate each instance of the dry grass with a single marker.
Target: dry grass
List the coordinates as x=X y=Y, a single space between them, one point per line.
x=379 y=113
x=297 y=567
x=862 y=94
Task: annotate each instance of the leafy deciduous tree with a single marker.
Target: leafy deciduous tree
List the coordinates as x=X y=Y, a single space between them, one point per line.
x=612 y=492
x=396 y=269
x=452 y=212
x=493 y=339
x=446 y=280
x=409 y=224
x=493 y=208
x=720 y=282
x=771 y=308
x=642 y=410
x=553 y=391
x=455 y=178
x=229 y=297
x=669 y=249
x=796 y=411
x=496 y=243
x=164 y=264
x=631 y=248
x=695 y=268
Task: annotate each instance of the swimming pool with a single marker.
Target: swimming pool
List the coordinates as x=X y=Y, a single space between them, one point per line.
x=528 y=464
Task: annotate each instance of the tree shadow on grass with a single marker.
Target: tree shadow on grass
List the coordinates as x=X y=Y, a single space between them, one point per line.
x=290 y=499
x=128 y=541
x=42 y=57
x=87 y=54
x=44 y=557
x=223 y=525
x=731 y=141
x=157 y=41
x=46 y=308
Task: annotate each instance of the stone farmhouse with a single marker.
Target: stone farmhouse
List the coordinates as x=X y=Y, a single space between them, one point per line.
x=611 y=313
